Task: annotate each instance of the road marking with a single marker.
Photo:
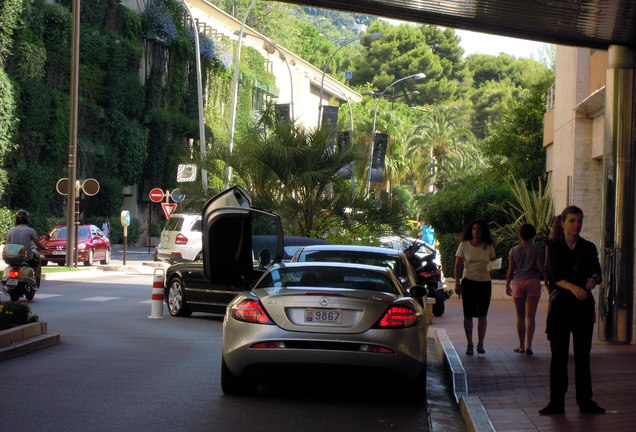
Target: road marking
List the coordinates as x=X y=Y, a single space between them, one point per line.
x=44 y=296
x=100 y=299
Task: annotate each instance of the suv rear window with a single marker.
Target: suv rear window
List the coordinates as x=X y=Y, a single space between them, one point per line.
x=174 y=224
x=196 y=226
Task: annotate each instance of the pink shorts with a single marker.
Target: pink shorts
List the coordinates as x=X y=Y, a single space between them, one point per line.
x=526 y=288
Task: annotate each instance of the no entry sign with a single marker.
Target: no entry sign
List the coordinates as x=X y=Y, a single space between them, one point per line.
x=156 y=195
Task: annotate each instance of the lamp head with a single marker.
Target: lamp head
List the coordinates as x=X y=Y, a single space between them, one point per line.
x=374 y=36
x=419 y=76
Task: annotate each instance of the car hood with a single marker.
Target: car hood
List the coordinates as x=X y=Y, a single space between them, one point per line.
x=60 y=242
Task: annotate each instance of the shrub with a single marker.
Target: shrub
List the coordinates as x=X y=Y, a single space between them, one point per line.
x=13 y=314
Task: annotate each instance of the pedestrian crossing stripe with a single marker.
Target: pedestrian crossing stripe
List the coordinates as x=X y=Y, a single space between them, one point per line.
x=44 y=296
x=101 y=299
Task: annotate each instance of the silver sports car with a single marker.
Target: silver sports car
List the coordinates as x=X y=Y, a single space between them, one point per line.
x=319 y=313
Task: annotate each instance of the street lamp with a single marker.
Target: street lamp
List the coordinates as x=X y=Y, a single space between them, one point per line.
x=343 y=94
x=417 y=76
x=284 y=58
x=371 y=36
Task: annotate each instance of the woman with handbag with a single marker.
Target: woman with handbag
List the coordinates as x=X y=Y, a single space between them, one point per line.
x=574 y=271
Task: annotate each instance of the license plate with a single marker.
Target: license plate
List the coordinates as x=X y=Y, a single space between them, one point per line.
x=330 y=316
x=58 y=252
x=12 y=282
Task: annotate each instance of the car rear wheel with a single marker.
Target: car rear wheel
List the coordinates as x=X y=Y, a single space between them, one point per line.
x=43 y=263
x=234 y=385
x=89 y=261
x=61 y=263
x=177 y=305
x=106 y=259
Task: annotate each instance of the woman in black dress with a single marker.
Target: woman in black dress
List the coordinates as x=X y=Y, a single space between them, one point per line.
x=574 y=272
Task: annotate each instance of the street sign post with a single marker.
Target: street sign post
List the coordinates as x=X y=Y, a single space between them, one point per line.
x=156 y=195
x=168 y=209
x=177 y=196
x=125 y=221
x=186 y=173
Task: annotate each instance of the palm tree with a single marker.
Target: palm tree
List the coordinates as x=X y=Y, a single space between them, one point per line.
x=292 y=171
x=444 y=141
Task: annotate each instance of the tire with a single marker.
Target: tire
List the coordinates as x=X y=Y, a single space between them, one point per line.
x=29 y=295
x=177 y=304
x=106 y=259
x=233 y=385
x=44 y=263
x=61 y=263
x=14 y=294
x=90 y=260
x=438 y=308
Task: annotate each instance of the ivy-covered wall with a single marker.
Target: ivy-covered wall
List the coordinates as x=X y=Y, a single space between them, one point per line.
x=137 y=99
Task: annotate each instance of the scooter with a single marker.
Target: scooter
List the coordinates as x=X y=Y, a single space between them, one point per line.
x=18 y=278
x=430 y=275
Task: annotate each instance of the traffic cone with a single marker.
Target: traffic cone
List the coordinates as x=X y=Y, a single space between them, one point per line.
x=156 y=307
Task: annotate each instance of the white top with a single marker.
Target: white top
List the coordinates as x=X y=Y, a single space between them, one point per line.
x=476 y=260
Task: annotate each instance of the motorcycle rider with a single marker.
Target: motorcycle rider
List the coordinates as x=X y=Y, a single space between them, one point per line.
x=23 y=234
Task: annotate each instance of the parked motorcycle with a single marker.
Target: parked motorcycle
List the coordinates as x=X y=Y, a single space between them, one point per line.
x=430 y=275
x=18 y=278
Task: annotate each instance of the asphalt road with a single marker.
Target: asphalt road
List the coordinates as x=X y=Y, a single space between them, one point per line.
x=116 y=369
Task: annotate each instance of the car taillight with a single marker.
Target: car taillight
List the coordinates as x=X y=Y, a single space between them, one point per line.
x=14 y=274
x=180 y=239
x=398 y=317
x=250 y=311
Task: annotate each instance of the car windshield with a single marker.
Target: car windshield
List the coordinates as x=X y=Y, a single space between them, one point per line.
x=329 y=277
x=60 y=233
x=358 y=257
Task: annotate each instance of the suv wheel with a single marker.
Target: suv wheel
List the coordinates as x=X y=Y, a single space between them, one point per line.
x=176 y=299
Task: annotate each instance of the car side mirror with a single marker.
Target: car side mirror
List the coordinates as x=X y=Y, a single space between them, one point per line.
x=418 y=291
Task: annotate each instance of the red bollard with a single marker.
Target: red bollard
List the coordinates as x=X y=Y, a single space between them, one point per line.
x=156 y=308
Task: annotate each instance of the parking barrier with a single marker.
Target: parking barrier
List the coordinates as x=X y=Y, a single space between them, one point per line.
x=156 y=307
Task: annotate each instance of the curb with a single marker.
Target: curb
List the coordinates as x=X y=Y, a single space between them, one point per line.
x=470 y=407
x=25 y=339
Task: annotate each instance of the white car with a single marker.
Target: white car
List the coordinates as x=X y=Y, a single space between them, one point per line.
x=181 y=239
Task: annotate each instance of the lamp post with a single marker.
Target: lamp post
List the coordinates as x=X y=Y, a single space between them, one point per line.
x=284 y=58
x=371 y=36
x=417 y=76
x=237 y=63
x=353 y=182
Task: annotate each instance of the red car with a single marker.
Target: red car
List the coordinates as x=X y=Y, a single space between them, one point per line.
x=92 y=245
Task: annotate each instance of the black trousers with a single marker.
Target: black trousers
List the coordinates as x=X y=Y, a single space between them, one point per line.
x=570 y=316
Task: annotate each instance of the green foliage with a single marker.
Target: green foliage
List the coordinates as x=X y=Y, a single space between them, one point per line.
x=7 y=221
x=529 y=206
x=10 y=15
x=516 y=146
x=476 y=197
x=8 y=123
x=116 y=235
x=13 y=314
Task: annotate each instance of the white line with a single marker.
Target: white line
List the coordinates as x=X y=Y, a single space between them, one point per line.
x=100 y=299
x=44 y=296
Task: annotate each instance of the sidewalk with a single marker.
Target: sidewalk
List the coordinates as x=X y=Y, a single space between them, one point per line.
x=503 y=390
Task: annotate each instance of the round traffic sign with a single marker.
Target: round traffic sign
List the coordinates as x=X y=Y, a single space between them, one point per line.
x=62 y=186
x=90 y=186
x=176 y=195
x=156 y=195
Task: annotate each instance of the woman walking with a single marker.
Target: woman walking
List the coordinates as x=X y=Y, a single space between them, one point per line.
x=574 y=272
x=472 y=280
x=523 y=283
